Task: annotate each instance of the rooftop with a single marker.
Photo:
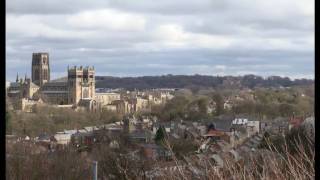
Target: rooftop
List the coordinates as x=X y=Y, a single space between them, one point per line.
x=62 y=79
x=55 y=83
x=215 y=133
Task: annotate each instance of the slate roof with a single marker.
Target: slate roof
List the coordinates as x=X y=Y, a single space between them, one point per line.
x=62 y=79
x=82 y=131
x=164 y=124
x=79 y=134
x=111 y=126
x=90 y=128
x=223 y=124
x=70 y=131
x=255 y=141
x=138 y=134
x=43 y=137
x=55 y=83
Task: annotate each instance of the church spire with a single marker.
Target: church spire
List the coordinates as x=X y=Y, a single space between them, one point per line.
x=25 y=78
x=17 y=79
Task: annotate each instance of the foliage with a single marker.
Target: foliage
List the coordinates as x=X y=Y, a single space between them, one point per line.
x=295 y=137
x=121 y=164
x=21 y=163
x=51 y=120
x=260 y=103
x=176 y=108
x=299 y=136
x=118 y=164
x=8 y=123
x=183 y=147
x=218 y=98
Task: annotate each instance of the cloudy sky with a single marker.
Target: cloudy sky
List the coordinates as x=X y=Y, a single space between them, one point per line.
x=137 y=38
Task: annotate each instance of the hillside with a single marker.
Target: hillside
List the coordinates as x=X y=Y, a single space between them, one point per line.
x=198 y=81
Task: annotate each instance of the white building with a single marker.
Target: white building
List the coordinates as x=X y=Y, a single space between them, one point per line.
x=63 y=138
x=106 y=98
x=253 y=127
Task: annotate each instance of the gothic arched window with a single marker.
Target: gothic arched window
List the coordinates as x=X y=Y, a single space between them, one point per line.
x=85 y=93
x=24 y=94
x=45 y=74
x=36 y=74
x=44 y=60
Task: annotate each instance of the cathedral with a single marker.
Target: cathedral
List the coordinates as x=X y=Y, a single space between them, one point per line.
x=75 y=90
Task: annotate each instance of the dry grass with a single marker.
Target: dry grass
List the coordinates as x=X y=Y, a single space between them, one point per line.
x=261 y=164
x=273 y=163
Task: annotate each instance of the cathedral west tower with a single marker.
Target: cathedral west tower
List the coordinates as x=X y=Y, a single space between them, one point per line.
x=40 y=68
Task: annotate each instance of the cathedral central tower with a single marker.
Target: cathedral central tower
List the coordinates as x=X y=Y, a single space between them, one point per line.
x=81 y=84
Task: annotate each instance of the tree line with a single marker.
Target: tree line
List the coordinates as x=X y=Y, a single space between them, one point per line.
x=197 y=81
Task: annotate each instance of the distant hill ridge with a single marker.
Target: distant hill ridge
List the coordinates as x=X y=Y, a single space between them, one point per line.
x=189 y=81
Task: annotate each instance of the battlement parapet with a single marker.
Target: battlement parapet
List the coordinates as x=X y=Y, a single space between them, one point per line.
x=81 y=68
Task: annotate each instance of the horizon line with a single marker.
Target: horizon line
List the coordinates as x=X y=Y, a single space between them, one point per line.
x=196 y=74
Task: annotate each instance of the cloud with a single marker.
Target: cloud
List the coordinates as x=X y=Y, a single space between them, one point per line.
x=107 y=19
x=122 y=37
x=220 y=67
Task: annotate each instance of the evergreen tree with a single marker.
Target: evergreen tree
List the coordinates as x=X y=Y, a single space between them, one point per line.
x=160 y=135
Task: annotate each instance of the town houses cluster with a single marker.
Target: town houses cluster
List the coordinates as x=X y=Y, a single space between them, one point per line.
x=222 y=141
